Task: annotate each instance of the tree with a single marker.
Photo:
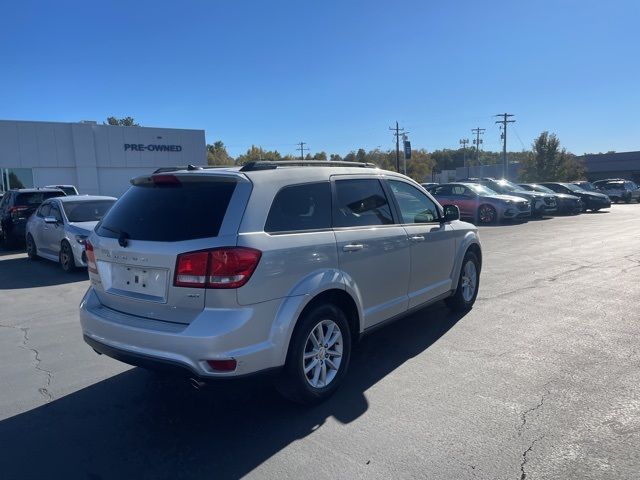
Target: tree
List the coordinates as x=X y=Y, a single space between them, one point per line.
x=548 y=162
x=334 y=157
x=256 y=154
x=217 y=154
x=320 y=156
x=122 y=122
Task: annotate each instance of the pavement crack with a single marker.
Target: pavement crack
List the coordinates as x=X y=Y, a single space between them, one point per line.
x=44 y=390
x=523 y=415
x=523 y=473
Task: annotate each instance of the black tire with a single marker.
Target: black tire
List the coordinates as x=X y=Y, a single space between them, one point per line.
x=293 y=383
x=32 y=250
x=487 y=214
x=6 y=240
x=595 y=209
x=627 y=200
x=457 y=302
x=66 y=259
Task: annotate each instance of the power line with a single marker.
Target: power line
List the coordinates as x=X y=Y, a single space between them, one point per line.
x=505 y=121
x=478 y=141
x=302 y=148
x=398 y=131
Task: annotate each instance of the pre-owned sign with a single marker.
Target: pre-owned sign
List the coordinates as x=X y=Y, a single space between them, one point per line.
x=141 y=147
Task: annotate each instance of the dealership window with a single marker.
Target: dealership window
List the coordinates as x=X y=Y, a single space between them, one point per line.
x=16 y=178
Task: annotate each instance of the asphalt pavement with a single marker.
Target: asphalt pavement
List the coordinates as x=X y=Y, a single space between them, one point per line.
x=541 y=380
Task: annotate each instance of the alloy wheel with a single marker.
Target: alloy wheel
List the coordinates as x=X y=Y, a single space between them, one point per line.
x=487 y=214
x=469 y=281
x=322 y=354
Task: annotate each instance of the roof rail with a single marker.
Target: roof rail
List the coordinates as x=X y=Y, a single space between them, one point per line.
x=253 y=166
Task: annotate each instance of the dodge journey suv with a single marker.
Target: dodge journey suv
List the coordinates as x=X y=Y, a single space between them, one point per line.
x=281 y=267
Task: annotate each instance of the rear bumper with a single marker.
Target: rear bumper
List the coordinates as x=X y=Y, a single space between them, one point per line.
x=243 y=334
x=165 y=365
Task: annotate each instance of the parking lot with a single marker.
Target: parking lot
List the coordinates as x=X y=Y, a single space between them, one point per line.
x=540 y=380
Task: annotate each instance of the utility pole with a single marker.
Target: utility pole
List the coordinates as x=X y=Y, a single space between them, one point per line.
x=398 y=131
x=464 y=142
x=302 y=148
x=505 y=120
x=478 y=141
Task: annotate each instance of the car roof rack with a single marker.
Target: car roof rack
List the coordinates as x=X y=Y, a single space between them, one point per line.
x=255 y=166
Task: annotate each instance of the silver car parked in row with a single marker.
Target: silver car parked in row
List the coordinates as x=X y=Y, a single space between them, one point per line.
x=281 y=267
x=60 y=226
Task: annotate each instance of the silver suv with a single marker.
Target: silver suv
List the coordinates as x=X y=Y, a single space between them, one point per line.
x=227 y=272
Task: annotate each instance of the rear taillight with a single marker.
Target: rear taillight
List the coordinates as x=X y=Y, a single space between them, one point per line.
x=229 y=267
x=18 y=211
x=91 y=257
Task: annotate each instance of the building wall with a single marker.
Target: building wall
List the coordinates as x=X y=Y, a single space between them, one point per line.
x=94 y=157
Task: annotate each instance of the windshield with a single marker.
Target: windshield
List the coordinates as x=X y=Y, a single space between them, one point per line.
x=481 y=189
x=572 y=187
x=586 y=186
x=170 y=213
x=542 y=188
x=87 y=211
x=511 y=187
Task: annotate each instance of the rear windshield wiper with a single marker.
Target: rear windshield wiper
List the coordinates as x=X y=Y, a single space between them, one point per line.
x=123 y=236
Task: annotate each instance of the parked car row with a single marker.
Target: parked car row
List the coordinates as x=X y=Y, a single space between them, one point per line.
x=52 y=222
x=487 y=200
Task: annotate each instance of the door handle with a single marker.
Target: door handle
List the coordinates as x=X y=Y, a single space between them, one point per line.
x=352 y=247
x=417 y=238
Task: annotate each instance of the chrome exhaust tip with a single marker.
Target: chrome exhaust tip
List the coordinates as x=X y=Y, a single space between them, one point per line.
x=197 y=384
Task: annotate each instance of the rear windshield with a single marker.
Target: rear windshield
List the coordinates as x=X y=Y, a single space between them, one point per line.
x=87 y=211
x=169 y=213
x=33 y=199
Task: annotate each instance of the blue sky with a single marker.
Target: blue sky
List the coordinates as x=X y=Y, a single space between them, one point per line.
x=335 y=74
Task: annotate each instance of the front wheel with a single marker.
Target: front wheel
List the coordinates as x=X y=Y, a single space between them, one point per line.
x=487 y=214
x=468 y=283
x=318 y=356
x=67 y=261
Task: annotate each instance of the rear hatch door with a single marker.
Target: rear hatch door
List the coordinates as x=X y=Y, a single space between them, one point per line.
x=137 y=244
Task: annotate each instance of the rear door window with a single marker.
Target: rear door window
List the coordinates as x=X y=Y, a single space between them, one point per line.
x=299 y=208
x=361 y=202
x=169 y=213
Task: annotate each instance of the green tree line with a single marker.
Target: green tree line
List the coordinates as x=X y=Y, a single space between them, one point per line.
x=545 y=161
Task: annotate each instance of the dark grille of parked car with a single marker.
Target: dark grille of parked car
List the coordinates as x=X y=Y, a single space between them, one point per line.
x=549 y=200
x=523 y=206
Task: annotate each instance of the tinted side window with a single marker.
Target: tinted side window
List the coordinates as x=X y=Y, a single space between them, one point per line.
x=300 y=207
x=361 y=202
x=44 y=210
x=415 y=206
x=55 y=212
x=443 y=190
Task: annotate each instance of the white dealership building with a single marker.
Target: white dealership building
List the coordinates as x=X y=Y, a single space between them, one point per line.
x=96 y=158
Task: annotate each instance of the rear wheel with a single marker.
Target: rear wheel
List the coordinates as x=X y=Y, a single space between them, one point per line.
x=318 y=356
x=67 y=261
x=32 y=251
x=468 y=283
x=487 y=214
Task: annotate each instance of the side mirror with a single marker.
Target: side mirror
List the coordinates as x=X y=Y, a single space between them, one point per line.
x=451 y=213
x=50 y=220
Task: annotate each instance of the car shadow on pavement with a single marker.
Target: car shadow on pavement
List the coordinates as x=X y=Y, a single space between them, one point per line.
x=21 y=272
x=139 y=425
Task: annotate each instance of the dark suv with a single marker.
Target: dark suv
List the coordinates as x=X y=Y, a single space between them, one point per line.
x=17 y=206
